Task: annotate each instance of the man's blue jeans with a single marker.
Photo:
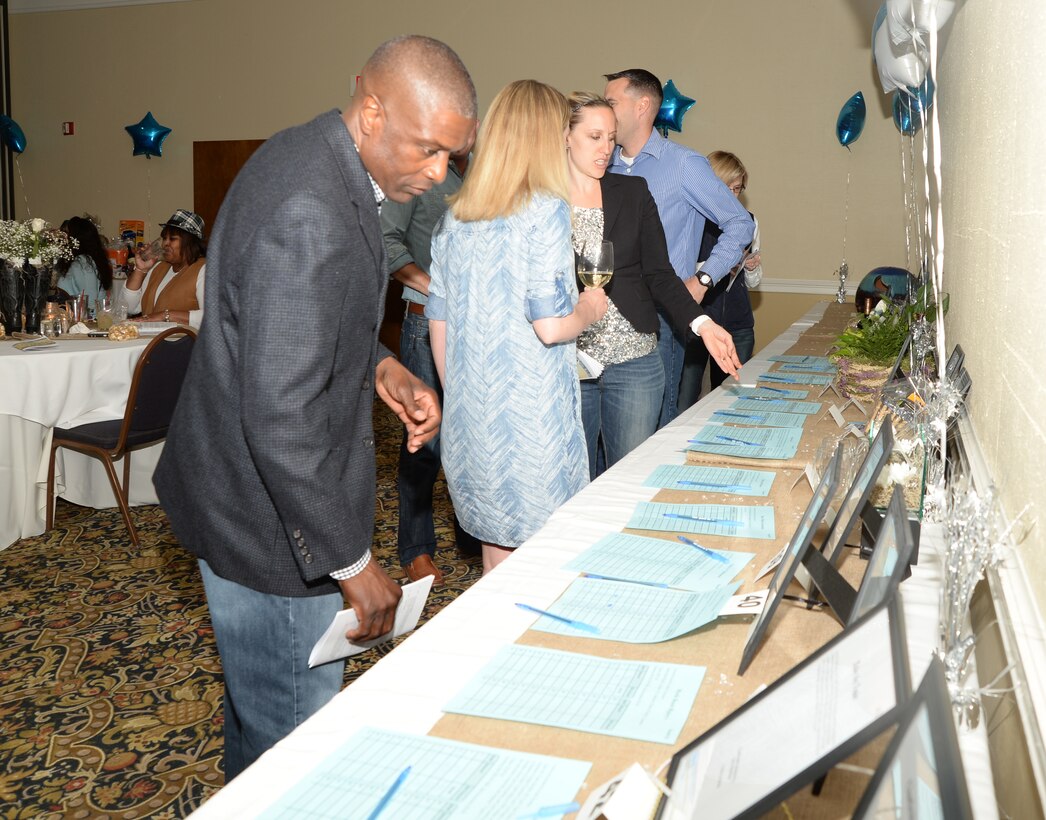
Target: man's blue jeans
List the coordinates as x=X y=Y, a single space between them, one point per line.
x=264 y=642
x=696 y=357
x=418 y=471
x=670 y=347
x=621 y=407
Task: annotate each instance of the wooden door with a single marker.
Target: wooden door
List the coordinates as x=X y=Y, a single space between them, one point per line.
x=216 y=164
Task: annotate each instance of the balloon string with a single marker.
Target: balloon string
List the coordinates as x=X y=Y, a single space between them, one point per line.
x=148 y=193
x=846 y=204
x=25 y=193
x=938 y=262
x=917 y=221
x=907 y=206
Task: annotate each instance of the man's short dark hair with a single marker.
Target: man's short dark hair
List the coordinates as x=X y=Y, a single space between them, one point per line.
x=641 y=82
x=430 y=65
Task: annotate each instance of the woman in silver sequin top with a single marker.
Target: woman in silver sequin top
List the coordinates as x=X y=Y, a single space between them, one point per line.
x=620 y=408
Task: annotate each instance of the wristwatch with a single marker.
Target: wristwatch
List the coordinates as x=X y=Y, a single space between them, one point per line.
x=704 y=279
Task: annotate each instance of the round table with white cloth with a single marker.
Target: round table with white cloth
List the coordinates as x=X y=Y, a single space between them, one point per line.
x=74 y=382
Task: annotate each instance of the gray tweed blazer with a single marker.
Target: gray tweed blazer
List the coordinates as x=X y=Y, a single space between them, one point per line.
x=268 y=471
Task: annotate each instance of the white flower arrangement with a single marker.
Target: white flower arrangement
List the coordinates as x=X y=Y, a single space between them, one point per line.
x=34 y=240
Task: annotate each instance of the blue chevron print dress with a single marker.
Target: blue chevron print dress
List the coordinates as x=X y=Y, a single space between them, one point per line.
x=512 y=443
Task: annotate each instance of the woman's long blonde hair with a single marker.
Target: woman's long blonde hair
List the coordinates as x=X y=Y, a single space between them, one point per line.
x=520 y=152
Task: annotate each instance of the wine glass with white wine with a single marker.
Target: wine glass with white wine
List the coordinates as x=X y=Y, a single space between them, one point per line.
x=595 y=265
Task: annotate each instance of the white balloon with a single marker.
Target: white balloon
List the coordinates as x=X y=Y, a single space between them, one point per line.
x=910 y=20
x=899 y=65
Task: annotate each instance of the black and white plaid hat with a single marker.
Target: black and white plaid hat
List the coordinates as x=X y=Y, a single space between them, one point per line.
x=186 y=221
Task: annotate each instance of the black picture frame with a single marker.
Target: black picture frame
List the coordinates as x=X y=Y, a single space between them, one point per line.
x=794 y=553
x=925 y=745
x=897 y=371
x=858 y=493
x=887 y=567
x=955 y=362
x=731 y=737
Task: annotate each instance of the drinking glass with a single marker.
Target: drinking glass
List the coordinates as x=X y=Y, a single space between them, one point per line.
x=595 y=264
x=103 y=312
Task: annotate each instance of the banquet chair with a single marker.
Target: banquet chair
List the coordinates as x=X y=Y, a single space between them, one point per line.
x=155 y=385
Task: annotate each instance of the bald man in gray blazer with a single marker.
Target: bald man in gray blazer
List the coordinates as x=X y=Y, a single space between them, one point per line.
x=268 y=473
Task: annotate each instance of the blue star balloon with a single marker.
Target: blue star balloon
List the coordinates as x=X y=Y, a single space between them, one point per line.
x=850 y=123
x=148 y=136
x=673 y=107
x=11 y=134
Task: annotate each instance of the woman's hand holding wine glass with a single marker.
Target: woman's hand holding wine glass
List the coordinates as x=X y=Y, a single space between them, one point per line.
x=595 y=267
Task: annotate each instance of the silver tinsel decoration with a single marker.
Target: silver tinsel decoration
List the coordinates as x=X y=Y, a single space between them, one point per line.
x=976 y=540
x=842 y=273
x=923 y=341
x=938 y=402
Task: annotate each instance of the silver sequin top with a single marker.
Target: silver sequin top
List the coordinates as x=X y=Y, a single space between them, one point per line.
x=612 y=339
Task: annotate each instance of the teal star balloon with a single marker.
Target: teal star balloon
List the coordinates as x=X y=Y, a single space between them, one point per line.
x=148 y=136
x=673 y=107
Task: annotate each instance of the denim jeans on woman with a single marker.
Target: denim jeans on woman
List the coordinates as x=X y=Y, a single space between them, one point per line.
x=620 y=409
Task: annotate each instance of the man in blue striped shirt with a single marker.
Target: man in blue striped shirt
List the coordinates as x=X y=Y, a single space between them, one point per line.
x=687 y=193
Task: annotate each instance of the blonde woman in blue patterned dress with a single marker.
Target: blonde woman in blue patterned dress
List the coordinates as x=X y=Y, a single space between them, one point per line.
x=503 y=313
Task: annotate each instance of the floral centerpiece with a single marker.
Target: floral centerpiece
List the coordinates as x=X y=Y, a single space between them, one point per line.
x=35 y=241
x=866 y=349
x=29 y=250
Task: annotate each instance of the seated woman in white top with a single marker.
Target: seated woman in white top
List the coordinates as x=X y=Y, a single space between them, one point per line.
x=171 y=290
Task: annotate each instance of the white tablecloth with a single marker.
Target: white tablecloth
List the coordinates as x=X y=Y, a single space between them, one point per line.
x=407 y=689
x=74 y=382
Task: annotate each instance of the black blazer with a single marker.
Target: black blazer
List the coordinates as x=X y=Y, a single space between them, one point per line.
x=730 y=308
x=268 y=472
x=643 y=274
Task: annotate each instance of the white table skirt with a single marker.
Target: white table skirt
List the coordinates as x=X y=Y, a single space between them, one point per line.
x=453 y=646
x=76 y=382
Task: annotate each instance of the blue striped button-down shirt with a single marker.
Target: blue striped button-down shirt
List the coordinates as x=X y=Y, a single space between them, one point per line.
x=688 y=192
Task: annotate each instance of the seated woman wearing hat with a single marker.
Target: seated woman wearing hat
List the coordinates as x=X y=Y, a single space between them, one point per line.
x=173 y=287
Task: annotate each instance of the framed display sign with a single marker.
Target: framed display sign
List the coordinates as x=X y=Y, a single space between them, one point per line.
x=791 y=733
x=793 y=556
x=921 y=772
x=887 y=567
x=857 y=495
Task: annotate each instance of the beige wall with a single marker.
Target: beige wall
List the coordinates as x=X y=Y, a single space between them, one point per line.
x=769 y=78
x=232 y=69
x=993 y=79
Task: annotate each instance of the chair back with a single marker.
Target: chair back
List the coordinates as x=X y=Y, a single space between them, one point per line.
x=156 y=383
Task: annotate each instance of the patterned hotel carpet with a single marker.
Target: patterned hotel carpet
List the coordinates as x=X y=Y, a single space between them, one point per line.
x=110 y=682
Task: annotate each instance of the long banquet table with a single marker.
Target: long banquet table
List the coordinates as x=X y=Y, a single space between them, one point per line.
x=407 y=689
x=75 y=382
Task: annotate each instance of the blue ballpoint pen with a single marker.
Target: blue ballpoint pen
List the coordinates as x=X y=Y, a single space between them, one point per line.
x=385 y=798
x=715 y=556
x=772 y=389
x=740 y=441
x=737 y=488
x=568 y=621
x=624 y=580
x=739 y=415
x=727 y=522
x=551 y=811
